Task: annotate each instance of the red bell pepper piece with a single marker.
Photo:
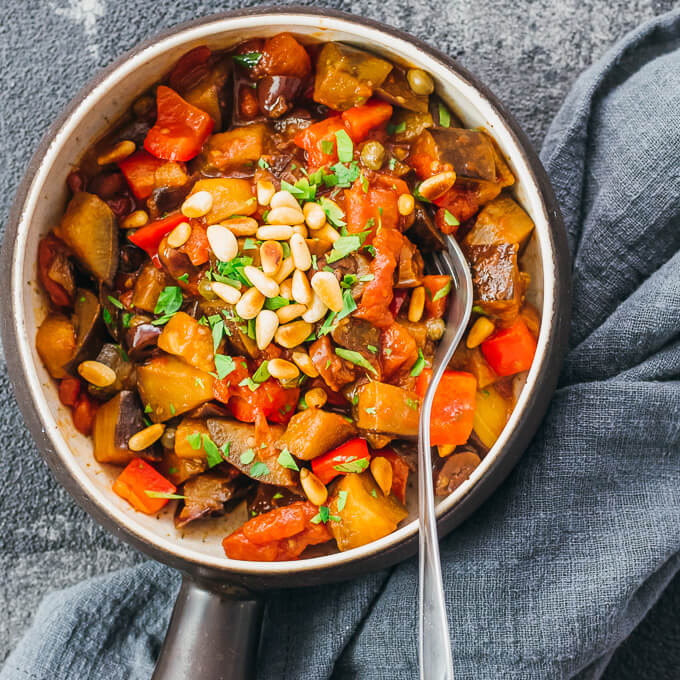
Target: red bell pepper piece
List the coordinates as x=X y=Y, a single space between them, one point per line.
x=348 y=455
x=148 y=238
x=279 y=524
x=434 y=283
x=400 y=472
x=453 y=409
x=138 y=478
x=360 y=120
x=400 y=296
x=510 y=350
x=310 y=139
x=180 y=129
x=139 y=170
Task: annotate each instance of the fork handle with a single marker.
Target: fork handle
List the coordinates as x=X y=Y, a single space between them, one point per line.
x=436 y=661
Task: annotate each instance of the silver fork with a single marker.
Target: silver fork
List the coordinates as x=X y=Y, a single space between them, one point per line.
x=434 y=645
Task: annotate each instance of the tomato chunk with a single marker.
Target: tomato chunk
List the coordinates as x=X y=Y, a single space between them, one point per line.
x=139 y=170
x=510 y=350
x=138 y=478
x=346 y=455
x=319 y=141
x=180 y=129
x=434 y=285
x=453 y=408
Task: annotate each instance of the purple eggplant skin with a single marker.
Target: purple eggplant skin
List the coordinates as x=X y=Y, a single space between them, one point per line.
x=141 y=340
x=276 y=94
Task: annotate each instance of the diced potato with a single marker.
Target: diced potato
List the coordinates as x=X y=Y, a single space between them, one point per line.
x=188 y=427
x=230 y=197
x=56 y=343
x=387 y=408
x=114 y=423
x=346 y=76
x=313 y=432
x=472 y=360
x=184 y=337
x=367 y=515
x=242 y=440
x=491 y=414
x=178 y=470
x=170 y=387
x=236 y=147
x=148 y=286
x=500 y=221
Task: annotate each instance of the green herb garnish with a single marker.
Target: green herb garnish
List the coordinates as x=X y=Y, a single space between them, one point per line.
x=419 y=365
x=262 y=373
x=343 y=247
x=444 y=116
x=355 y=358
x=115 y=302
x=327 y=146
x=342 y=500
x=247 y=60
x=442 y=292
x=450 y=219
x=345 y=146
x=224 y=365
x=162 y=494
x=357 y=465
x=213 y=455
x=259 y=469
x=286 y=460
x=247 y=457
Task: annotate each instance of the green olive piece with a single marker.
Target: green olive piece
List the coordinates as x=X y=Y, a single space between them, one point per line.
x=373 y=155
x=205 y=289
x=168 y=438
x=419 y=81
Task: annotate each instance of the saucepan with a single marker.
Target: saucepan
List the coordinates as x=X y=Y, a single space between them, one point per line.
x=217 y=617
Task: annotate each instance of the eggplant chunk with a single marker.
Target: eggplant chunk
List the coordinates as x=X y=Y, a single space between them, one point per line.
x=313 y=432
x=178 y=470
x=410 y=268
x=112 y=356
x=263 y=498
x=500 y=221
x=241 y=442
x=209 y=495
x=424 y=232
x=89 y=327
x=115 y=422
x=141 y=339
x=276 y=94
x=56 y=343
x=457 y=468
x=89 y=228
x=355 y=334
x=387 y=408
x=398 y=92
x=496 y=279
x=169 y=387
x=367 y=514
x=470 y=152
x=148 y=286
x=347 y=76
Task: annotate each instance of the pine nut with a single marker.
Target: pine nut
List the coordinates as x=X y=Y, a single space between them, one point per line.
x=179 y=235
x=315 y=217
x=266 y=324
x=271 y=256
x=144 y=438
x=328 y=288
x=445 y=450
x=284 y=199
x=381 y=469
x=302 y=258
x=225 y=292
x=241 y=226
x=282 y=370
x=480 y=331
x=300 y=229
x=197 y=204
x=97 y=374
x=135 y=220
x=268 y=287
x=419 y=81
x=304 y=363
x=290 y=312
x=276 y=232
x=285 y=270
x=433 y=187
x=314 y=488
x=328 y=233
x=316 y=398
x=406 y=204
x=285 y=215
x=222 y=242
x=286 y=289
x=316 y=310
x=250 y=304
x=301 y=289
x=118 y=153
x=293 y=334
x=265 y=191
x=417 y=304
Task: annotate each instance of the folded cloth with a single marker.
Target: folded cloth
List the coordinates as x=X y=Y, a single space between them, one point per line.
x=554 y=571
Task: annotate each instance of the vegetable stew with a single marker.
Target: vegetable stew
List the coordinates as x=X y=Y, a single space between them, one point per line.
x=240 y=309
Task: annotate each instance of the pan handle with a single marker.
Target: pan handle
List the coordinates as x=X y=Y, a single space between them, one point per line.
x=213 y=634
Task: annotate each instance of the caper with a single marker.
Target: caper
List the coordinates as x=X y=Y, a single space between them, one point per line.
x=168 y=438
x=419 y=81
x=205 y=289
x=373 y=155
x=435 y=329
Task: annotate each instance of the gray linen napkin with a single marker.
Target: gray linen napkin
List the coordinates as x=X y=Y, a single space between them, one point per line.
x=556 y=570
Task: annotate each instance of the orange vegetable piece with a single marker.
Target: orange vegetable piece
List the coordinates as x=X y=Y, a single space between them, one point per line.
x=510 y=350
x=197 y=247
x=138 y=478
x=398 y=350
x=139 y=170
x=400 y=472
x=360 y=120
x=283 y=55
x=434 y=309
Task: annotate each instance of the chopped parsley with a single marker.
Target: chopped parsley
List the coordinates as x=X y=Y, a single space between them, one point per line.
x=276 y=302
x=262 y=372
x=374 y=493
x=345 y=146
x=184 y=278
x=259 y=469
x=348 y=280
x=286 y=460
x=194 y=440
x=412 y=403
x=333 y=212
x=302 y=189
x=356 y=465
x=328 y=325
x=348 y=305
x=450 y=219
x=342 y=500
x=444 y=116
x=108 y=319
x=127 y=318
x=224 y=365
x=355 y=358
x=372 y=348
x=327 y=146
x=479 y=310
x=148 y=409
x=247 y=457
x=217 y=333
x=324 y=515
x=172 y=408
x=277 y=495
x=249 y=383
x=162 y=494
x=247 y=60
x=262 y=163
x=249 y=244
x=419 y=365
x=115 y=302
x=168 y=303
x=371 y=410
x=343 y=247
x=442 y=292
x=213 y=454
